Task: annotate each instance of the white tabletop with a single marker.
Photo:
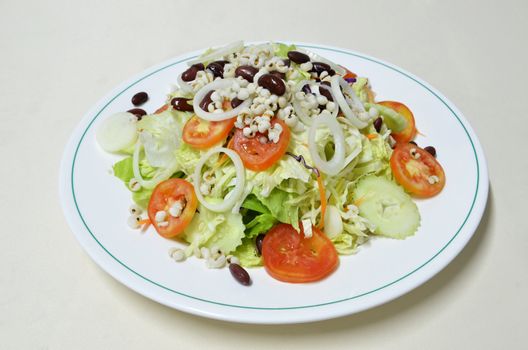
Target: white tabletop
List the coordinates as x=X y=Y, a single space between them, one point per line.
x=58 y=58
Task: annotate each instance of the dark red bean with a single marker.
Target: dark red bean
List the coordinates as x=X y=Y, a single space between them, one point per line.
x=190 y=73
x=217 y=68
x=240 y=274
x=279 y=74
x=139 y=98
x=235 y=103
x=182 y=104
x=298 y=57
x=431 y=150
x=246 y=72
x=138 y=112
x=206 y=100
x=319 y=67
x=326 y=93
x=287 y=62
x=258 y=242
x=377 y=124
x=306 y=89
x=273 y=83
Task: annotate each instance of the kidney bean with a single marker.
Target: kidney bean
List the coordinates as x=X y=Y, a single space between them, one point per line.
x=240 y=274
x=279 y=74
x=235 y=103
x=306 y=89
x=216 y=68
x=431 y=150
x=139 y=98
x=190 y=73
x=246 y=72
x=258 y=242
x=377 y=124
x=182 y=104
x=326 y=93
x=319 y=67
x=273 y=83
x=138 y=112
x=206 y=100
x=298 y=57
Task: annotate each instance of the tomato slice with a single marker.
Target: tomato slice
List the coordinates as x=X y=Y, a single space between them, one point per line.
x=290 y=257
x=257 y=156
x=203 y=134
x=417 y=170
x=163 y=197
x=409 y=132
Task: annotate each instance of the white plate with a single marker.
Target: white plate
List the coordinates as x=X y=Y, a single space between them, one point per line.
x=96 y=206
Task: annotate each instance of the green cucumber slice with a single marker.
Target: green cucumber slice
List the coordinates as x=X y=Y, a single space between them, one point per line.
x=394 y=120
x=386 y=205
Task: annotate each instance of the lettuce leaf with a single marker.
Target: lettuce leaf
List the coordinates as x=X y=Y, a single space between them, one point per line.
x=247 y=253
x=281 y=49
x=208 y=229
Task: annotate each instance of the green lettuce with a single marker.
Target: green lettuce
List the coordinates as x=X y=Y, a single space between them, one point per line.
x=247 y=253
x=281 y=50
x=207 y=229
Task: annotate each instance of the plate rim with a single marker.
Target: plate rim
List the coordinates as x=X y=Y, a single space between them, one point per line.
x=472 y=218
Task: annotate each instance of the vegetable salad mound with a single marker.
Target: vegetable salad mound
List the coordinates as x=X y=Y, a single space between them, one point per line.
x=270 y=155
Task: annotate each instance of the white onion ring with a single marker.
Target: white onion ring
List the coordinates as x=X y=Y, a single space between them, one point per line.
x=232 y=197
x=215 y=117
x=337 y=162
x=337 y=83
x=299 y=111
x=219 y=52
x=137 y=173
x=186 y=87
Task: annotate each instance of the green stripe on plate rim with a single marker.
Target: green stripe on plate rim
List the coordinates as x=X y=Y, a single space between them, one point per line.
x=292 y=307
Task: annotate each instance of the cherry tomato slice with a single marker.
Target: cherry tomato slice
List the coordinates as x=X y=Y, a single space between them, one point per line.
x=417 y=170
x=203 y=134
x=163 y=197
x=258 y=156
x=409 y=132
x=290 y=257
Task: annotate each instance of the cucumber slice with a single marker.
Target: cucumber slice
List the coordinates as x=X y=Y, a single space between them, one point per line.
x=117 y=132
x=394 y=120
x=386 y=205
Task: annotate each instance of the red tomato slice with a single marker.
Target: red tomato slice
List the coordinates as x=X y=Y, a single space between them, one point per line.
x=257 y=156
x=420 y=174
x=163 y=197
x=290 y=257
x=202 y=134
x=409 y=132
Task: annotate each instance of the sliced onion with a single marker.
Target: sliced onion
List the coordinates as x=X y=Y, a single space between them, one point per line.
x=299 y=110
x=316 y=58
x=231 y=198
x=337 y=162
x=163 y=175
x=186 y=87
x=219 y=52
x=215 y=117
x=337 y=83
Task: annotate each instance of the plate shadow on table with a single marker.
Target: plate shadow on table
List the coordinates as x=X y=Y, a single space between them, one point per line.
x=356 y=322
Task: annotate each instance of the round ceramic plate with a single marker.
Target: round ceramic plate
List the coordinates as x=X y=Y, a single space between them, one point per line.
x=96 y=206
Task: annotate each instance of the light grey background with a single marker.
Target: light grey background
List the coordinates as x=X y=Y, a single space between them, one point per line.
x=58 y=58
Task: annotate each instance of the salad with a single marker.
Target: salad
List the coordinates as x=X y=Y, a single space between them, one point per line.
x=270 y=155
